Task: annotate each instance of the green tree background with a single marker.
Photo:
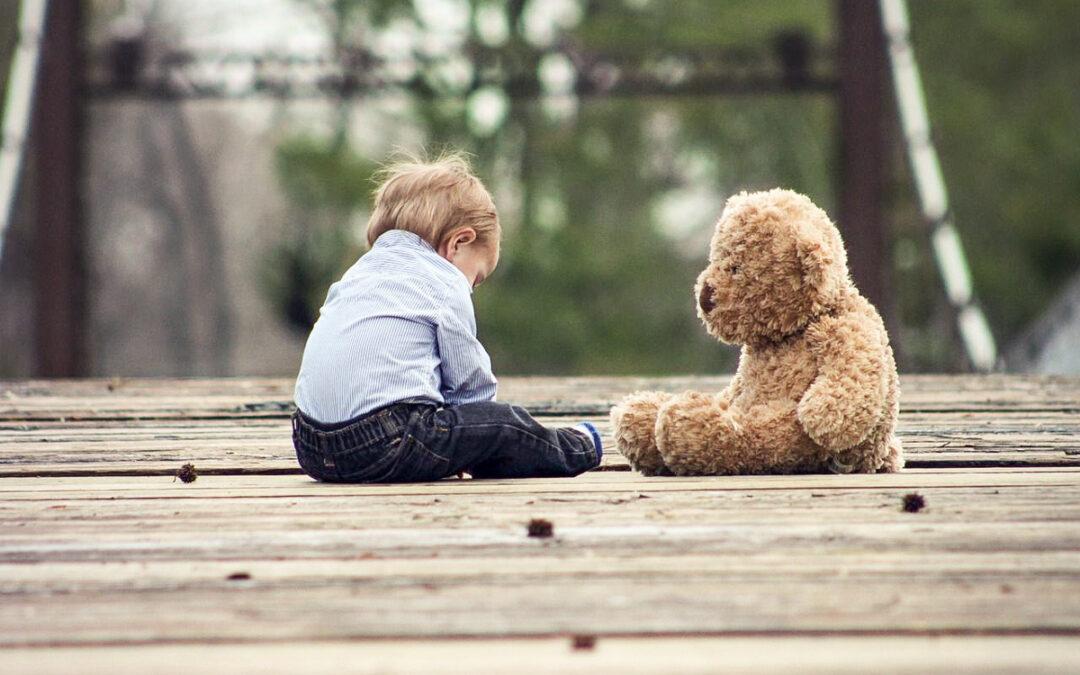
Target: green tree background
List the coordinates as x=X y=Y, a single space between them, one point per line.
x=595 y=278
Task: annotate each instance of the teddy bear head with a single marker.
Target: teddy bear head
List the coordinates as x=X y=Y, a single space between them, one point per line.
x=775 y=262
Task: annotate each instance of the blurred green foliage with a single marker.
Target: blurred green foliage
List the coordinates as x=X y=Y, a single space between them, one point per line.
x=595 y=278
x=1002 y=81
x=326 y=183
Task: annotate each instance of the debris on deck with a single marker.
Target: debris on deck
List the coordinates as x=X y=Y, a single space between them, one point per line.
x=108 y=562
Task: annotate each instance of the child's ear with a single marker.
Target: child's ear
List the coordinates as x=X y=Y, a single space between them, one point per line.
x=462 y=237
x=465 y=235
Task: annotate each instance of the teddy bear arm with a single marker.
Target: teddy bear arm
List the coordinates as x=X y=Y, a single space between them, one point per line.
x=726 y=397
x=847 y=398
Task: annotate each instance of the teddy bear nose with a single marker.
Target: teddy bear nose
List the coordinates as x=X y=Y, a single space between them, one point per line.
x=705 y=298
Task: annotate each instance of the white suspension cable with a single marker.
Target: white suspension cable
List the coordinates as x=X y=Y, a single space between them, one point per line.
x=17 y=105
x=930 y=185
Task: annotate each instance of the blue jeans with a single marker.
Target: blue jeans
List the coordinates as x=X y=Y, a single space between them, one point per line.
x=423 y=441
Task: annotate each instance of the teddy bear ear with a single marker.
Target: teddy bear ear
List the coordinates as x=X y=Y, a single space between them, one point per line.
x=815 y=263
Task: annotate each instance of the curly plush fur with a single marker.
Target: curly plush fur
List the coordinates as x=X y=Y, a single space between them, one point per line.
x=816 y=389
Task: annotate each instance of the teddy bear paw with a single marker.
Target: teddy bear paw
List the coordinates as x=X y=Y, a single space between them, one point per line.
x=634 y=422
x=894 y=457
x=697 y=436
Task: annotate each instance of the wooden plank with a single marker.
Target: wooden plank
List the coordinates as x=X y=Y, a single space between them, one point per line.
x=68 y=516
x=686 y=654
x=79 y=524
x=882 y=538
x=716 y=604
x=654 y=531
x=179 y=575
x=171 y=398
x=700 y=591
x=91 y=519
x=227 y=429
x=157 y=446
x=93 y=561
x=141 y=571
x=150 y=487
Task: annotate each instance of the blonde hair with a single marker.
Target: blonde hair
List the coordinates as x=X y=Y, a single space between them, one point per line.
x=433 y=199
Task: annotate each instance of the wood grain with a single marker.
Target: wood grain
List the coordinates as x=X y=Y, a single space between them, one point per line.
x=239 y=445
x=690 y=654
x=262 y=398
x=993 y=551
x=109 y=563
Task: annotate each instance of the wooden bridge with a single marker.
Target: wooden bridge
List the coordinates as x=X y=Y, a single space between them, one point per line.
x=110 y=564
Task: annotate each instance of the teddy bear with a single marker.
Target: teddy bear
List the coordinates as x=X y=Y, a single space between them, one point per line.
x=816 y=388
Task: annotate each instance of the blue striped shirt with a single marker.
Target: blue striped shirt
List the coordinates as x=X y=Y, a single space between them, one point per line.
x=398 y=325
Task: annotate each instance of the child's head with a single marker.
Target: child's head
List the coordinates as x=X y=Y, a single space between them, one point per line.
x=446 y=205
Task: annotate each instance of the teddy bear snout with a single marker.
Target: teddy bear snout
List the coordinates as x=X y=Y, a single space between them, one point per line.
x=707 y=298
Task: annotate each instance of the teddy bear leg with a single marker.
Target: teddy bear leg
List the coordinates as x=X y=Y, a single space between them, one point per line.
x=773 y=441
x=709 y=438
x=696 y=434
x=634 y=422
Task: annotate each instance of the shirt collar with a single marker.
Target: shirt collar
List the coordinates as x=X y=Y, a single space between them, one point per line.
x=402 y=238
x=406 y=239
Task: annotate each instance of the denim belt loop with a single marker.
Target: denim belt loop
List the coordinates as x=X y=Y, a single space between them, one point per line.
x=388 y=422
x=364 y=431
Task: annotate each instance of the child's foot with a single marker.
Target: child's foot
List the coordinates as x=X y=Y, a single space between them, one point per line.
x=589 y=430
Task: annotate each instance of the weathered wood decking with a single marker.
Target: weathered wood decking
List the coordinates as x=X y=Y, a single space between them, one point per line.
x=108 y=564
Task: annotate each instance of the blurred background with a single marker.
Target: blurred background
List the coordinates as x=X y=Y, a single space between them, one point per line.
x=197 y=172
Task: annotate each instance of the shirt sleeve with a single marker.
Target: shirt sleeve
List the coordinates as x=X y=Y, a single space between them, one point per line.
x=464 y=363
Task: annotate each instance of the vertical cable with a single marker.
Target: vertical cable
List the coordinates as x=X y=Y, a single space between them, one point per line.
x=17 y=104
x=930 y=185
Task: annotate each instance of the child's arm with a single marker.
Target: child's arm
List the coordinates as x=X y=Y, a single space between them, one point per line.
x=465 y=365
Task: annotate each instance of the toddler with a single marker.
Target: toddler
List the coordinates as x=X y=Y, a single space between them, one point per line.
x=394 y=385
